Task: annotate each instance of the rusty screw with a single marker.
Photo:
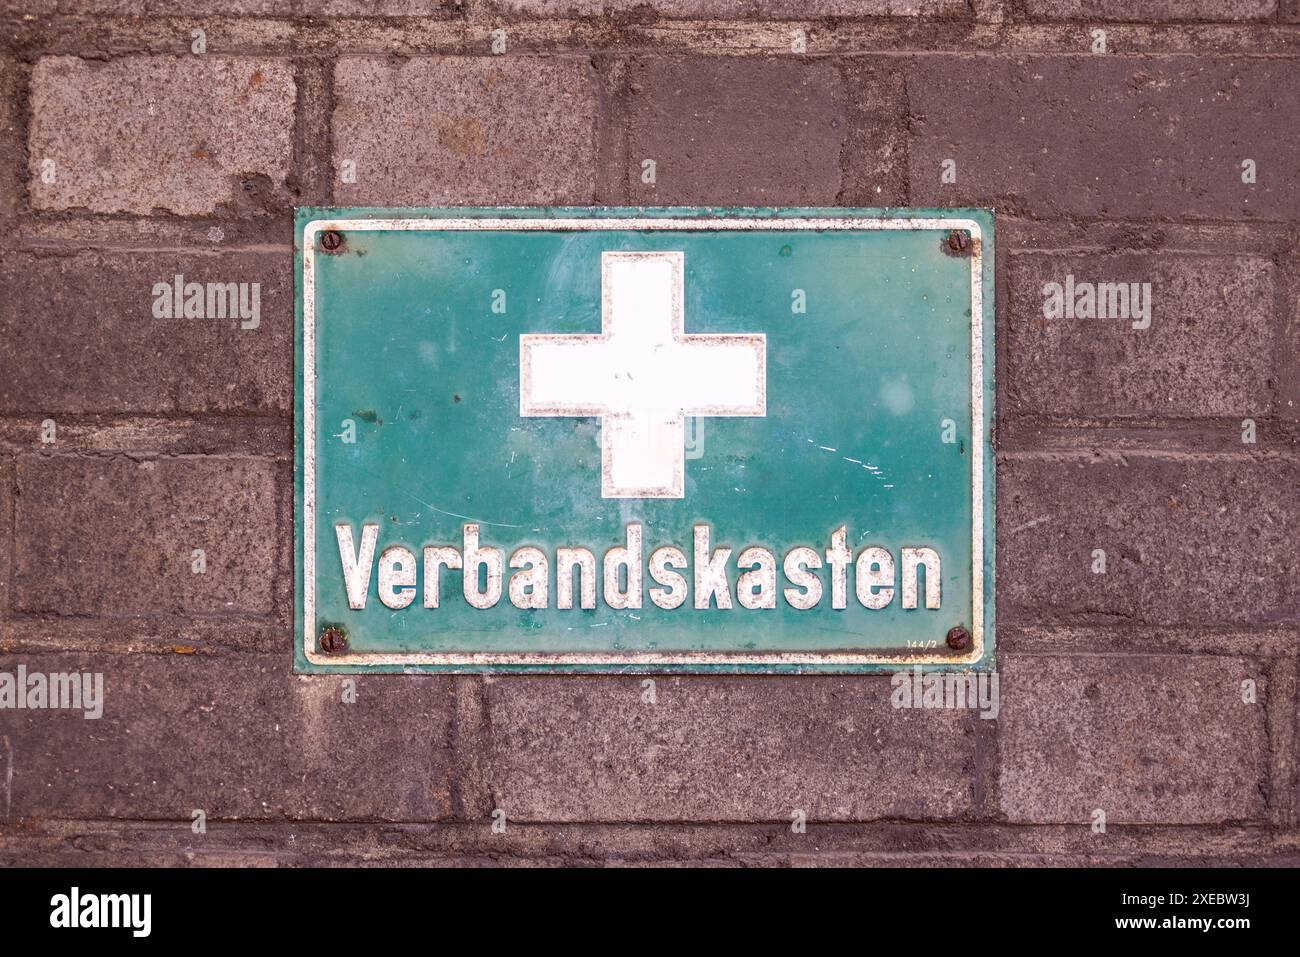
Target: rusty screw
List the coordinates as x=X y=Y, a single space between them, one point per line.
x=330 y=240
x=959 y=241
x=333 y=641
x=958 y=638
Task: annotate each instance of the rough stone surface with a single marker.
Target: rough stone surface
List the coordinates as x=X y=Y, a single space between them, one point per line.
x=1188 y=540
x=1146 y=740
x=1150 y=10
x=116 y=536
x=875 y=147
x=1211 y=348
x=735 y=131
x=1105 y=136
x=6 y=521
x=733 y=749
x=731 y=9
x=186 y=135
x=11 y=136
x=131 y=8
x=263 y=8
x=238 y=738
x=1119 y=691
x=384 y=8
x=465 y=131
x=287 y=843
x=80 y=328
x=158 y=8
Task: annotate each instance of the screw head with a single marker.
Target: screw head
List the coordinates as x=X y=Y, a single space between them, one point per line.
x=333 y=641
x=959 y=241
x=330 y=240
x=958 y=638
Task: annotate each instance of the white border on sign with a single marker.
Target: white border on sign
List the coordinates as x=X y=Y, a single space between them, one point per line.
x=635 y=658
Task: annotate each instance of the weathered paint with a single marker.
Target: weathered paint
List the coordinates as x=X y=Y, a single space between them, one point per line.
x=739 y=644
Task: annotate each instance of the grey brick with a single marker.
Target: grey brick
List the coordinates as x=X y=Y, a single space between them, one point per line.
x=115 y=536
x=124 y=8
x=6 y=532
x=731 y=9
x=736 y=131
x=1209 y=351
x=723 y=749
x=11 y=136
x=237 y=737
x=875 y=146
x=1106 y=136
x=466 y=130
x=81 y=843
x=262 y=8
x=186 y=135
x=381 y=8
x=160 y=8
x=1147 y=740
x=1150 y=11
x=83 y=337
x=1189 y=540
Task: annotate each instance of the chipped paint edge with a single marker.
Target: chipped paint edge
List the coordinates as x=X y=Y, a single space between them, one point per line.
x=632 y=660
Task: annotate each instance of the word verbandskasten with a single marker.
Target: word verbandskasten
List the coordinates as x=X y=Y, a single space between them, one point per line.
x=482 y=569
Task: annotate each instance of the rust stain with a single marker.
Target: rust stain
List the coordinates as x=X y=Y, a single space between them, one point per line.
x=462 y=135
x=960 y=244
x=333 y=641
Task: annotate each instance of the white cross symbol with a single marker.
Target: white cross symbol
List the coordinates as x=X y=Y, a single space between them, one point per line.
x=642 y=375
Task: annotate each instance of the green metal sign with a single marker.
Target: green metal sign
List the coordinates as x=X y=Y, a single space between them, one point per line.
x=640 y=440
